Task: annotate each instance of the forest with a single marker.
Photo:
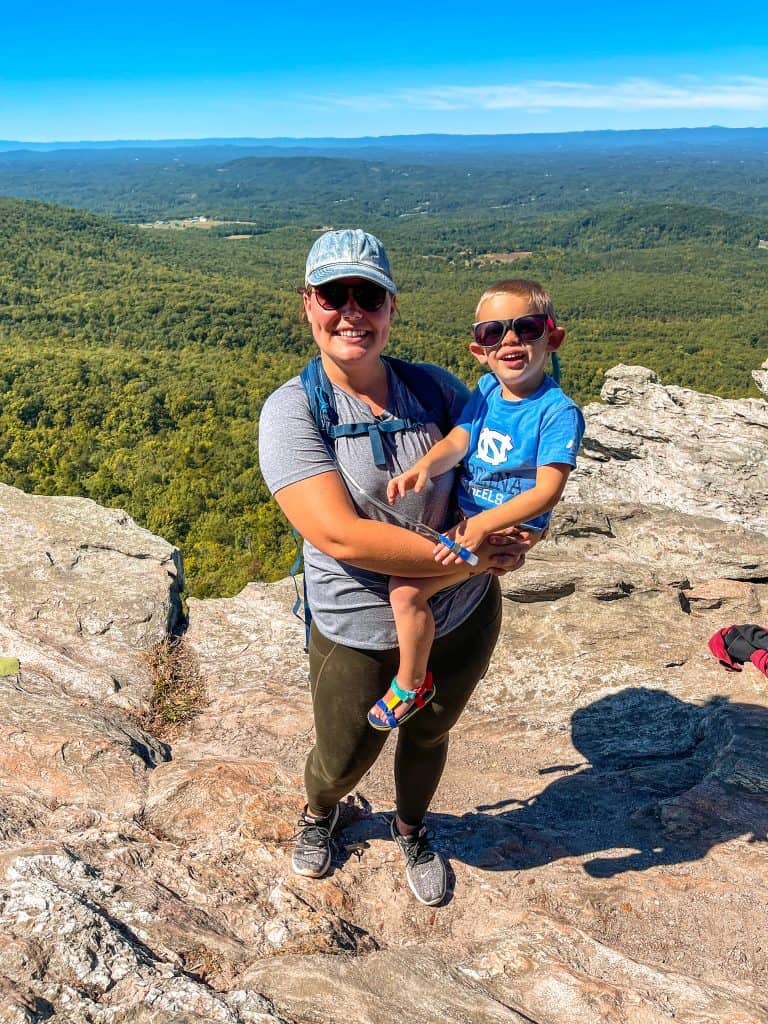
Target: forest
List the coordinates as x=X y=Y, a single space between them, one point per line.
x=135 y=360
x=419 y=176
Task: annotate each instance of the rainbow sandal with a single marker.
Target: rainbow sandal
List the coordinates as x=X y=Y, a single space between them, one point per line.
x=420 y=698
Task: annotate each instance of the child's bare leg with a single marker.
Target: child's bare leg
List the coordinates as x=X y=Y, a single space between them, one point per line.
x=415 y=626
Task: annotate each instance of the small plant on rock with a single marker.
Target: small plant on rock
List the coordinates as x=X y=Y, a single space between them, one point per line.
x=178 y=688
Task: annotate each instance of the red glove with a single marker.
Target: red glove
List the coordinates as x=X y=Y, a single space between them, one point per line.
x=717 y=646
x=735 y=645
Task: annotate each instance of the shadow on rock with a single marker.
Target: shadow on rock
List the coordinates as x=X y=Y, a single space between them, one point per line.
x=665 y=781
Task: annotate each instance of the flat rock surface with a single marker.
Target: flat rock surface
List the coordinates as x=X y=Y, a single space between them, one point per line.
x=605 y=805
x=604 y=811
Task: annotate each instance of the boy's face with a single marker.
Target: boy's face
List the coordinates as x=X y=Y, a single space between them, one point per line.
x=519 y=366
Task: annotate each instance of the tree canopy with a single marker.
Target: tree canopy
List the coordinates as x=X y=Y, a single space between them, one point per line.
x=135 y=361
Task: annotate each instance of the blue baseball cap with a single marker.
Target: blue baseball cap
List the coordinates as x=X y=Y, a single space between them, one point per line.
x=349 y=253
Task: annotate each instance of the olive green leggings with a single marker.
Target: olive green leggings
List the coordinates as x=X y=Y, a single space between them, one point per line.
x=346 y=681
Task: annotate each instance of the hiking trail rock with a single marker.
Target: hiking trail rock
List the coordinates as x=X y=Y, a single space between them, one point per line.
x=604 y=810
x=664 y=445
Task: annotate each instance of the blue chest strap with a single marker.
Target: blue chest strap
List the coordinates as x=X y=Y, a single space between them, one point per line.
x=374 y=431
x=320 y=394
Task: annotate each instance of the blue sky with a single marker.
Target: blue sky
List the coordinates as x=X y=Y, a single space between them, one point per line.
x=190 y=70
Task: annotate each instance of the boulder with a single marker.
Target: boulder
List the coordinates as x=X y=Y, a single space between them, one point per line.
x=665 y=445
x=83 y=589
x=760 y=377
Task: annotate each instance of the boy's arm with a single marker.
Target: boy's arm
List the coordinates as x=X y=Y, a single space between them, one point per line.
x=439 y=459
x=542 y=497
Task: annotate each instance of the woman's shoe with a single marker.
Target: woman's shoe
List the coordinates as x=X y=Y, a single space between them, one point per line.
x=424 y=867
x=312 y=852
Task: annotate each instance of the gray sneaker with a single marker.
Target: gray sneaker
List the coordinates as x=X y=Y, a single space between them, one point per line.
x=424 y=867
x=312 y=852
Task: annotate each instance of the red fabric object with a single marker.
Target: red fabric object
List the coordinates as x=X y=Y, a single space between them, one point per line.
x=717 y=646
x=760 y=660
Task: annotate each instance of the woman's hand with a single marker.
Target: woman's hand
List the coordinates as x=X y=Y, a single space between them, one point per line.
x=504 y=550
x=511 y=546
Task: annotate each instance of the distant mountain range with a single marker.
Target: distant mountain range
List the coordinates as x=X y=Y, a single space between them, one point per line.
x=433 y=145
x=499 y=178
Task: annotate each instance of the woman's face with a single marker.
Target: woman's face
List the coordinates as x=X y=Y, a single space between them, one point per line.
x=349 y=335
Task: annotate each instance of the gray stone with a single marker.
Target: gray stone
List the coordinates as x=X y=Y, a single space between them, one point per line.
x=604 y=810
x=760 y=377
x=665 y=445
x=83 y=589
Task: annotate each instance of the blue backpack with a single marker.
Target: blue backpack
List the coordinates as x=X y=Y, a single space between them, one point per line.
x=417 y=378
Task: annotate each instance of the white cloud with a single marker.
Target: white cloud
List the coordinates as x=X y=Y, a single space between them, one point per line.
x=747 y=93
x=362 y=104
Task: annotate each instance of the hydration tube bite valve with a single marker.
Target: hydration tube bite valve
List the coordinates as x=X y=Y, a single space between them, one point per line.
x=456 y=549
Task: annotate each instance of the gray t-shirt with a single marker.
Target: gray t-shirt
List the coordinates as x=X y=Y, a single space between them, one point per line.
x=351 y=605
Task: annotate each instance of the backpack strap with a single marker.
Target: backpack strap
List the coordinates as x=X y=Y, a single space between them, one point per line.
x=417 y=379
x=322 y=404
x=420 y=381
x=555 y=367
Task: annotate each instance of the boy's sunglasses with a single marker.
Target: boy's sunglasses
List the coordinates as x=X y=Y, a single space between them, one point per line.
x=335 y=294
x=529 y=328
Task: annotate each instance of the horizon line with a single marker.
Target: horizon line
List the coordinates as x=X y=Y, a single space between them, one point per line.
x=229 y=139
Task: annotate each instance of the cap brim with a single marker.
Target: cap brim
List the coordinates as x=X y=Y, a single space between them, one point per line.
x=332 y=273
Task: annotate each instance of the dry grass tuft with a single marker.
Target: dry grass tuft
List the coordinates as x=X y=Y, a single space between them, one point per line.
x=202 y=963
x=178 y=688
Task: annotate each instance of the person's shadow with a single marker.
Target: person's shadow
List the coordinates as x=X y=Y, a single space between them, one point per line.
x=663 y=782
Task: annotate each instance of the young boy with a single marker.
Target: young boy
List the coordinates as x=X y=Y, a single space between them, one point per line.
x=517 y=440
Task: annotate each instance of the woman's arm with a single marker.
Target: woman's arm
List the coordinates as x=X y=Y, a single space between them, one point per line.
x=321 y=509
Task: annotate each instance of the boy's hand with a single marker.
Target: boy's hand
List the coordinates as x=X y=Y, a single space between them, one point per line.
x=412 y=479
x=467 y=533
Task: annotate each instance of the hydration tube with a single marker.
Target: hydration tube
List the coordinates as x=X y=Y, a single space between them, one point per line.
x=410 y=524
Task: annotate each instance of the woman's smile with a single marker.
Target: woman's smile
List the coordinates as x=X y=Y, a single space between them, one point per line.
x=350 y=332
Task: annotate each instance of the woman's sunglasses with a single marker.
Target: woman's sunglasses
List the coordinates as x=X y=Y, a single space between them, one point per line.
x=527 y=329
x=335 y=294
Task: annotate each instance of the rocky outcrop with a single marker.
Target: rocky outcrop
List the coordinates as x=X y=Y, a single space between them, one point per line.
x=760 y=377
x=664 y=445
x=83 y=589
x=604 y=810
x=84 y=594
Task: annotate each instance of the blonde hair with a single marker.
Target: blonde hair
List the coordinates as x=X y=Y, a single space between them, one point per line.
x=536 y=294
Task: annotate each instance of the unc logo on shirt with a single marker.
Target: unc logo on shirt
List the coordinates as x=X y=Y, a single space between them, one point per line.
x=493 y=446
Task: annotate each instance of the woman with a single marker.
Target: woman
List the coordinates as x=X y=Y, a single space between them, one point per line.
x=351 y=549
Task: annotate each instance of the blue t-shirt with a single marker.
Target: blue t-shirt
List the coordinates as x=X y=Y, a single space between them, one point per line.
x=509 y=440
